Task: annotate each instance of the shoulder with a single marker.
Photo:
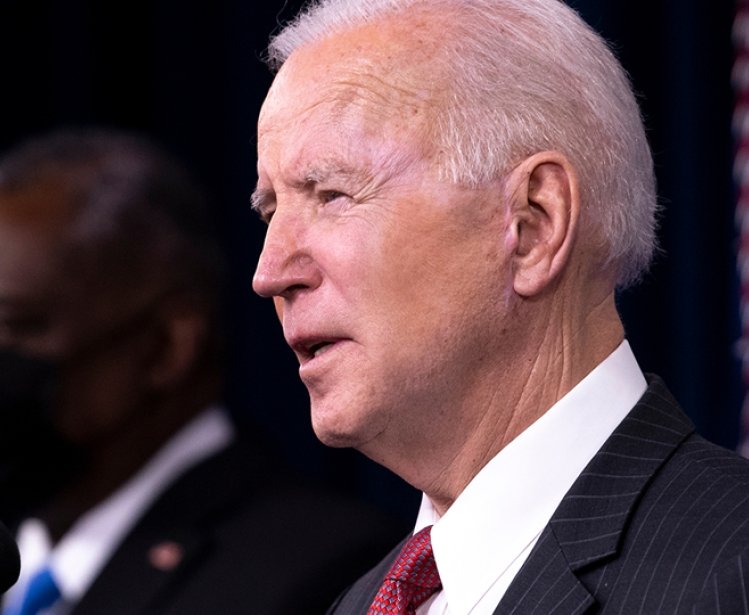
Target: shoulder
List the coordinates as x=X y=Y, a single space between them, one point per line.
x=687 y=529
x=702 y=483
x=694 y=509
x=256 y=533
x=658 y=437
x=699 y=505
x=696 y=516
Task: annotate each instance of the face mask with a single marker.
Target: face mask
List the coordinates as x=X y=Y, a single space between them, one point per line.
x=27 y=386
x=35 y=461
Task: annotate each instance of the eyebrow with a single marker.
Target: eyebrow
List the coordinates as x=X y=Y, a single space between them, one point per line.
x=262 y=198
x=261 y=201
x=259 y=198
x=330 y=170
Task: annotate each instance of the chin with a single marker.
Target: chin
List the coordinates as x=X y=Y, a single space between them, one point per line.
x=339 y=428
x=334 y=440
x=333 y=433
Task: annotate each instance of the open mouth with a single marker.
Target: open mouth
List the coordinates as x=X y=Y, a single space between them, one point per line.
x=311 y=348
x=315 y=350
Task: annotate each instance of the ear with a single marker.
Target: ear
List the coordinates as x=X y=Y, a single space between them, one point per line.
x=545 y=208
x=184 y=336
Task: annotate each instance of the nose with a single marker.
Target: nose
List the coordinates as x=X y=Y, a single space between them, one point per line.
x=286 y=265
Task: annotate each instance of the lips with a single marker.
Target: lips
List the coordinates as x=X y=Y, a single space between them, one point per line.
x=311 y=347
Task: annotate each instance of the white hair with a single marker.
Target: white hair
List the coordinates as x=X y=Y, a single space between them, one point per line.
x=526 y=76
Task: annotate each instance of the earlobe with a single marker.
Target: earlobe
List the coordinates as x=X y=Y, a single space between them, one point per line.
x=545 y=211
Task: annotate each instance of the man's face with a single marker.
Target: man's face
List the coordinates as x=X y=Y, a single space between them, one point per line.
x=391 y=283
x=51 y=311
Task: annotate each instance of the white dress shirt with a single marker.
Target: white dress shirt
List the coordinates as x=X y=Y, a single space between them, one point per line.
x=484 y=538
x=82 y=552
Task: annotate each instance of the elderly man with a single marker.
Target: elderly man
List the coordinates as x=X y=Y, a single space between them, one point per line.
x=454 y=190
x=136 y=493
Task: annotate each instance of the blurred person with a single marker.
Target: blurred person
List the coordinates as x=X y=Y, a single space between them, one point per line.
x=130 y=486
x=454 y=191
x=10 y=561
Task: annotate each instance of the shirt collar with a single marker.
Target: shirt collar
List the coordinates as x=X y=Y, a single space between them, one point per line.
x=508 y=503
x=81 y=553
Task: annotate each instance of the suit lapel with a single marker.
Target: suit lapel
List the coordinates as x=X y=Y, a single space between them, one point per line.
x=151 y=563
x=545 y=584
x=587 y=527
x=170 y=538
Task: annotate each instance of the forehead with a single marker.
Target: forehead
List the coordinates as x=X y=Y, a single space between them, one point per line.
x=43 y=278
x=351 y=90
x=45 y=202
x=36 y=249
x=29 y=259
x=32 y=244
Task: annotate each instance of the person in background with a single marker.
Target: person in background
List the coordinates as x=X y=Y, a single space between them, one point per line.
x=10 y=559
x=131 y=489
x=454 y=191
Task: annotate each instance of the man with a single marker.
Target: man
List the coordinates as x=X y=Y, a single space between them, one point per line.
x=130 y=482
x=454 y=190
x=10 y=562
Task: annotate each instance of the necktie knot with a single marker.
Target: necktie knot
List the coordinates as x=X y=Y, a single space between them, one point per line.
x=411 y=580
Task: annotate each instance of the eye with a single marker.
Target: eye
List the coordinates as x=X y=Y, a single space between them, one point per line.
x=328 y=196
x=266 y=214
x=263 y=203
x=15 y=328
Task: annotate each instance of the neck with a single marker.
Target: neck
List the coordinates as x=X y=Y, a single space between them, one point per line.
x=555 y=356
x=112 y=461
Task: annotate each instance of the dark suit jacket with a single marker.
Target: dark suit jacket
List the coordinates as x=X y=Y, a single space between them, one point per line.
x=658 y=523
x=249 y=539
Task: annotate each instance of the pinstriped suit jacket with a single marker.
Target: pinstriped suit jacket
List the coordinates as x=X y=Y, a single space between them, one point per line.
x=657 y=524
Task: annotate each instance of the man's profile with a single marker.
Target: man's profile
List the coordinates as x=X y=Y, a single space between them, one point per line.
x=129 y=483
x=454 y=192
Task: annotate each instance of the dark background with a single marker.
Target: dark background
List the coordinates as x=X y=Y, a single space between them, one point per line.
x=189 y=73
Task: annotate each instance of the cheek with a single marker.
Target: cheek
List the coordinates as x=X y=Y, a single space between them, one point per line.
x=95 y=400
x=350 y=256
x=427 y=272
x=447 y=289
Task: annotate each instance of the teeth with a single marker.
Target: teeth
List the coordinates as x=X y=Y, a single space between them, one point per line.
x=320 y=348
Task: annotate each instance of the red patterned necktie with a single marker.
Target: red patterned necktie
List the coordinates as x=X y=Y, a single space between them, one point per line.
x=411 y=579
